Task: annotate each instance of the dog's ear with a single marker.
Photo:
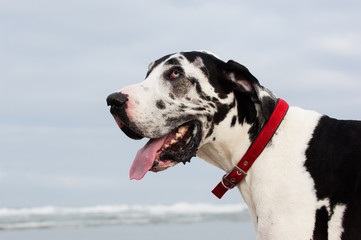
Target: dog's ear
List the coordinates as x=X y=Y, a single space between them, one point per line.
x=241 y=76
x=245 y=83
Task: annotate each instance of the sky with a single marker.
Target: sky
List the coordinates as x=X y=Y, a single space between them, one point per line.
x=60 y=59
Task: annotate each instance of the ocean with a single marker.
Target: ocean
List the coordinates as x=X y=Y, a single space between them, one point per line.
x=130 y=222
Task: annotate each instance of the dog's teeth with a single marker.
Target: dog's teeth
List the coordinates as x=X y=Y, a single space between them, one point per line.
x=173 y=141
x=182 y=129
x=178 y=135
x=166 y=145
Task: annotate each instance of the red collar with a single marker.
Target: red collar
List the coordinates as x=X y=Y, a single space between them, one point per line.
x=234 y=177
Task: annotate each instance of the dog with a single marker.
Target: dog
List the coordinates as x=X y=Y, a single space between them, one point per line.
x=304 y=184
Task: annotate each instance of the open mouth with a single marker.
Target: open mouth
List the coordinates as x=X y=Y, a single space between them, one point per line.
x=158 y=154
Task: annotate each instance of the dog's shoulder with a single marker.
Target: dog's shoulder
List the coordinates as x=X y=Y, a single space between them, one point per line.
x=333 y=159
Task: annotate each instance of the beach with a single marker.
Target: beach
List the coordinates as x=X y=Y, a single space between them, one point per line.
x=209 y=230
x=130 y=222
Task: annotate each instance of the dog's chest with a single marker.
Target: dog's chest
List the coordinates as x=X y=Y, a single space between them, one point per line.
x=279 y=182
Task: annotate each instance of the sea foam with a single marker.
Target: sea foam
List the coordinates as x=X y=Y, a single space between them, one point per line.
x=178 y=213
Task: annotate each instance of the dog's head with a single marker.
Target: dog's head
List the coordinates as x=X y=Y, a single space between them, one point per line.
x=185 y=99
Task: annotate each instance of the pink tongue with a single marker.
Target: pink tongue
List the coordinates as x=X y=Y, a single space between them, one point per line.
x=145 y=158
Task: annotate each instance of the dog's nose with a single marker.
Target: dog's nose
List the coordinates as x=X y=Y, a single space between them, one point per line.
x=117 y=99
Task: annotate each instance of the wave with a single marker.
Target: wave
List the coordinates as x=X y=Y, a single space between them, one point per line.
x=178 y=213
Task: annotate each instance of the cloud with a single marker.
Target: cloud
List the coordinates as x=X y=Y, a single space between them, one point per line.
x=340 y=45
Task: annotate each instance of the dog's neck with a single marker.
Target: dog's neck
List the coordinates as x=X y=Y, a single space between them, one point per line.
x=229 y=145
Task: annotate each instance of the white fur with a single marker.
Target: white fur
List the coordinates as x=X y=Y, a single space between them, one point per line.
x=335 y=228
x=278 y=183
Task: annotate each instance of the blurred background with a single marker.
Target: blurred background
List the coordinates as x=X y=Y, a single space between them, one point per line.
x=59 y=60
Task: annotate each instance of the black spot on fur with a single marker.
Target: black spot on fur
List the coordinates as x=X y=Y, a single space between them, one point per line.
x=320 y=231
x=246 y=109
x=234 y=119
x=156 y=63
x=268 y=105
x=183 y=106
x=214 y=138
x=214 y=99
x=334 y=153
x=209 y=118
x=171 y=96
x=222 y=95
x=205 y=71
x=334 y=162
x=210 y=131
x=222 y=111
x=352 y=219
x=211 y=69
x=199 y=109
x=247 y=113
x=198 y=86
x=160 y=104
x=172 y=61
x=212 y=105
x=179 y=119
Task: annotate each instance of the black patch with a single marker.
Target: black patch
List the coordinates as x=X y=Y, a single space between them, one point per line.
x=234 y=119
x=320 y=231
x=199 y=109
x=222 y=95
x=205 y=71
x=247 y=113
x=183 y=106
x=214 y=138
x=352 y=220
x=171 y=96
x=212 y=70
x=188 y=98
x=214 y=99
x=177 y=121
x=210 y=131
x=334 y=162
x=255 y=130
x=212 y=105
x=160 y=104
x=191 y=56
x=156 y=63
x=209 y=118
x=222 y=111
x=198 y=86
x=268 y=105
x=172 y=61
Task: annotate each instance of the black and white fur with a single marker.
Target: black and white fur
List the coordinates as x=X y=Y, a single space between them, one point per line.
x=305 y=185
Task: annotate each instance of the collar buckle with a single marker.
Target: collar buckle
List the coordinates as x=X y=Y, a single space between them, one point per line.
x=231 y=179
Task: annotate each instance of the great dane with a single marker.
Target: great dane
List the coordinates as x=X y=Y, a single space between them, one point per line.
x=305 y=183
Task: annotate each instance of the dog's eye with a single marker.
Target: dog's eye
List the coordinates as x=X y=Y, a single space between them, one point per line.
x=174 y=74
